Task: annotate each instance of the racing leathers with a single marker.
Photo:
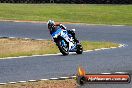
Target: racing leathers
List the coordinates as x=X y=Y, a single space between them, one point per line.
x=54 y=28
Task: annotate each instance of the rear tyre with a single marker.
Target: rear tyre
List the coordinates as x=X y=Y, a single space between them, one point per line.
x=79 y=49
x=63 y=49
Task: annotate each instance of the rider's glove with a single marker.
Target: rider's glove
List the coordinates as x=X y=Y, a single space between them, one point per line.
x=64 y=27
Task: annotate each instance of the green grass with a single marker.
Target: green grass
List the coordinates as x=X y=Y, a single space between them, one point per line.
x=84 y=13
x=22 y=47
x=89 y=45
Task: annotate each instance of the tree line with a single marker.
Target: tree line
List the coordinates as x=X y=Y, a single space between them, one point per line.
x=70 y=1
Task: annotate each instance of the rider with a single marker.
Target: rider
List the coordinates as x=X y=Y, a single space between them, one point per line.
x=52 y=26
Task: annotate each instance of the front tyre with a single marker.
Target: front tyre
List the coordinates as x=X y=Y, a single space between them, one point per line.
x=63 y=49
x=79 y=49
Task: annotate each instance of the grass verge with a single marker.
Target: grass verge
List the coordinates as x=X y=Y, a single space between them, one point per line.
x=84 y=13
x=44 y=84
x=27 y=47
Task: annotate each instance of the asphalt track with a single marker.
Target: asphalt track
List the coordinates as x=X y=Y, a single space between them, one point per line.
x=113 y=60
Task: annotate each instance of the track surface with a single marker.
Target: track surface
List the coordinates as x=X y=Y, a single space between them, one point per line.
x=113 y=60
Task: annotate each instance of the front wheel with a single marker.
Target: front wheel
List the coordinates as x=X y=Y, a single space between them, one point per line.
x=63 y=47
x=79 y=49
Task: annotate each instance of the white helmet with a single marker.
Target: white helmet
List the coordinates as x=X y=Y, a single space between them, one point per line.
x=50 y=24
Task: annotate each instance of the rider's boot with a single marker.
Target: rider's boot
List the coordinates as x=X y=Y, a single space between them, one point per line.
x=73 y=35
x=76 y=40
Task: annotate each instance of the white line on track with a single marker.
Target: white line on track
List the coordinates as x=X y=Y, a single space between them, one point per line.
x=73 y=76
x=88 y=51
x=120 y=45
x=40 y=39
x=105 y=73
x=11 y=37
x=118 y=25
x=43 y=79
x=54 y=78
x=113 y=47
x=64 y=77
x=60 y=78
x=105 y=48
x=22 y=81
x=32 y=80
x=97 y=49
x=3 y=83
x=26 y=38
x=12 y=82
x=121 y=72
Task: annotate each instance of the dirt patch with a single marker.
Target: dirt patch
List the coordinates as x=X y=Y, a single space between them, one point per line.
x=44 y=84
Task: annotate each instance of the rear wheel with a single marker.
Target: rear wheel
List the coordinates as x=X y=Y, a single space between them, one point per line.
x=63 y=47
x=79 y=49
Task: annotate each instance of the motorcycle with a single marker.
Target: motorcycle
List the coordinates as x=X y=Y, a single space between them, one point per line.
x=65 y=42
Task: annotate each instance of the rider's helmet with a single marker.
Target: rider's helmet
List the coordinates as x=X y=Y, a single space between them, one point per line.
x=50 y=24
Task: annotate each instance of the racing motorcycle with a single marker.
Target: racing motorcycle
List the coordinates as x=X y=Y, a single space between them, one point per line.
x=65 y=42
